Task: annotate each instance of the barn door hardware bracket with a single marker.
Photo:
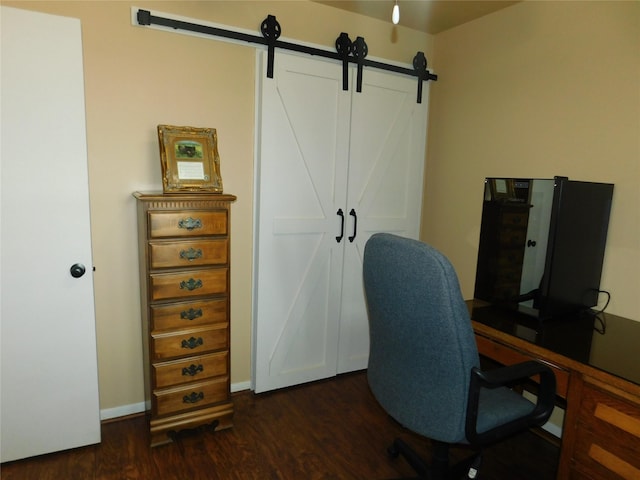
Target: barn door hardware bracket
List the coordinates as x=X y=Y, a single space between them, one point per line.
x=420 y=66
x=344 y=47
x=347 y=52
x=271 y=31
x=360 y=51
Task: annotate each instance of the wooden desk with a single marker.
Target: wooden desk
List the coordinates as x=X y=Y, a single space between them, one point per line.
x=598 y=374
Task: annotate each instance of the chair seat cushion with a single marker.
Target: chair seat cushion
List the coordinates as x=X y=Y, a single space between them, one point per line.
x=499 y=406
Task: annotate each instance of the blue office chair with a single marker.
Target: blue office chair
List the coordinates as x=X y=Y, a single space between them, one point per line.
x=424 y=367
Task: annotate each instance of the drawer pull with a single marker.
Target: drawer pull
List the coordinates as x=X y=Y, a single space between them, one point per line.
x=193 y=398
x=192 y=370
x=190 y=223
x=191 y=314
x=192 y=343
x=190 y=254
x=191 y=284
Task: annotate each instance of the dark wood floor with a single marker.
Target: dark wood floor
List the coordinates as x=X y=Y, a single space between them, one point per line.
x=331 y=429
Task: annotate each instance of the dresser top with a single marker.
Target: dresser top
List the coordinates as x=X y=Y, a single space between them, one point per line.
x=159 y=196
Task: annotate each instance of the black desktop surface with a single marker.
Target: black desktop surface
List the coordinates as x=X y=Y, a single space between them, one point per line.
x=607 y=342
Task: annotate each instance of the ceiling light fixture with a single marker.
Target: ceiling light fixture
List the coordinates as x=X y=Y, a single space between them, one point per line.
x=395 y=14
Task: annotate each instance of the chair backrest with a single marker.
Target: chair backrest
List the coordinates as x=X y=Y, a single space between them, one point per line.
x=422 y=344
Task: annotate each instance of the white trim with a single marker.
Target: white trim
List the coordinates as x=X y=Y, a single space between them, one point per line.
x=550 y=427
x=141 y=407
x=257 y=140
x=553 y=429
x=122 y=411
x=240 y=386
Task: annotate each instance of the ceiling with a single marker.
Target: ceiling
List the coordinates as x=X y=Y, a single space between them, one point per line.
x=430 y=16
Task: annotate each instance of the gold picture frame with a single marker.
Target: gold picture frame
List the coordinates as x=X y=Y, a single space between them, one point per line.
x=190 y=160
x=502 y=188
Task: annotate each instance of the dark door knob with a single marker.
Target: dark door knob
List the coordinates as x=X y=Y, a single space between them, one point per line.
x=77 y=270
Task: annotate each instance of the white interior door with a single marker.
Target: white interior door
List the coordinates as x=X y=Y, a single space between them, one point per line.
x=49 y=383
x=324 y=151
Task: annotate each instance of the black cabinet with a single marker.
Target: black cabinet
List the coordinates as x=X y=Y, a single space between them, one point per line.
x=542 y=244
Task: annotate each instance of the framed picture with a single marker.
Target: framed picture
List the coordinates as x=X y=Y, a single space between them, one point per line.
x=502 y=188
x=190 y=160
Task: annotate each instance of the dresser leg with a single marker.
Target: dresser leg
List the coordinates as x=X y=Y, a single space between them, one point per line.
x=166 y=430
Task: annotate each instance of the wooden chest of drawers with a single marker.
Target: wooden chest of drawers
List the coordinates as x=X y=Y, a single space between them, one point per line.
x=184 y=283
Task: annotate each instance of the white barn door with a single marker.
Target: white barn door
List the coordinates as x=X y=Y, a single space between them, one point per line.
x=49 y=382
x=386 y=169
x=304 y=140
x=323 y=153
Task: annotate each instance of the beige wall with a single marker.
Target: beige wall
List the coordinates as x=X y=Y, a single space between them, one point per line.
x=536 y=90
x=137 y=78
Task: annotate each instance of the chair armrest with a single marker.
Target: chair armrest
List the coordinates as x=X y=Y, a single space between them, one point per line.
x=508 y=377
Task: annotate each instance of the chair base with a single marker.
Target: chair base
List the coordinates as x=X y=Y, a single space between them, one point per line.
x=439 y=468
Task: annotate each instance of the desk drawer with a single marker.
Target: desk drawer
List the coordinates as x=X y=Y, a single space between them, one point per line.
x=190 y=342
x=187 y=223
x=180 y=316
x=188 y=284
x=608 y=438
x=189 y=370
x=508 y=356
x=188 y=253
x=195 y=395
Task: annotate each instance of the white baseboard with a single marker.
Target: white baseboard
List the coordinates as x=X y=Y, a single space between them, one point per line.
x=554 y=424
x=140 y=407
x=553 y=429
x=122 y=411
x=240 y=386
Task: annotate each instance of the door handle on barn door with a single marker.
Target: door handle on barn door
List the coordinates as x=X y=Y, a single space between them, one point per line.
x=77 y=270
x=355 y=225
x=341 y=214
